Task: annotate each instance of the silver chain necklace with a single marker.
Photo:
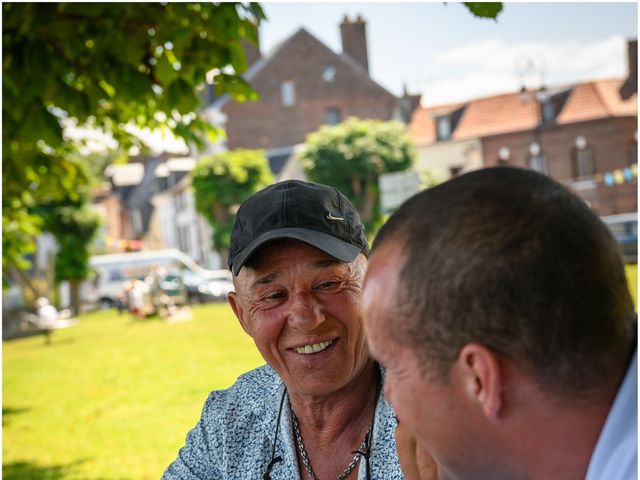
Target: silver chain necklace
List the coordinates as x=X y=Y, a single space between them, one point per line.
x=305 y=458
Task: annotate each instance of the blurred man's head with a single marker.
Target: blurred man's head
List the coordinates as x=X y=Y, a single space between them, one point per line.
x=497 y=267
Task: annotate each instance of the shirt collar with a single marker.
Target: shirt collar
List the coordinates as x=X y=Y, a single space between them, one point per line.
x=619 y=435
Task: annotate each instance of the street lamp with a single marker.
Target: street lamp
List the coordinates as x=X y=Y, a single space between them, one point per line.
x=503 y=155
x=537 y=160
x=535 y=149
x=532 y=71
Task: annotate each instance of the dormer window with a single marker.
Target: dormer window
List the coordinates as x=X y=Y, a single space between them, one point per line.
x=329 y=73
x=548 y=113
x=443 y=125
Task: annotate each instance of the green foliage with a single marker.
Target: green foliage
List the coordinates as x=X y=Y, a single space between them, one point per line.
x=484 y=9
x=222 y=182
x=428 y=178
x=110 y=64
x=107 y=66
x=25 y=185
x=74 y=227
x=351 y=156
x=18 y=229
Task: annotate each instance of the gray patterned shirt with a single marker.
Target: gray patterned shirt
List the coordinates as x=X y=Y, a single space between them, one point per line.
x=233 y=439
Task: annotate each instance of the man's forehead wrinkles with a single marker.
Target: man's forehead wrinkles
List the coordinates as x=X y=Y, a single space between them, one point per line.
x=265 y=279
x=313 y=265
x=327 y=262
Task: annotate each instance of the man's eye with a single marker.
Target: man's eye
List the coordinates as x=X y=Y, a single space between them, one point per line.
x=328 y=285
x=275 y=296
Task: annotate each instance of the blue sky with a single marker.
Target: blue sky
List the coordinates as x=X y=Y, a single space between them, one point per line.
x=443 y=52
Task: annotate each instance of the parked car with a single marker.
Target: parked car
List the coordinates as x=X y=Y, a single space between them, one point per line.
x=212 y=288
x=625 y=230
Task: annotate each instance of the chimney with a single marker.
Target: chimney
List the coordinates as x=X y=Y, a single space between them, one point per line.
x=354 y=40
x=630 y=86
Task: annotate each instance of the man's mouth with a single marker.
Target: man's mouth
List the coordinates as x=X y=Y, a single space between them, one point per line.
x=313 y=347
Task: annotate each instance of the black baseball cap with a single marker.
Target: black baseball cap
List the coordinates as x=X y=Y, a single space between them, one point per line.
x=313 y=213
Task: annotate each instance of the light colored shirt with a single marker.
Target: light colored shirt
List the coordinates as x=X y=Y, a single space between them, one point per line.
x=234 y=437
x=616 y=454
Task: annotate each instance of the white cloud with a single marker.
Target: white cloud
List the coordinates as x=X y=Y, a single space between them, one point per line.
x=494 y=66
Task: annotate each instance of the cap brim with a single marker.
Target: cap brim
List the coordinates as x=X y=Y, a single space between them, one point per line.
x=343 y=251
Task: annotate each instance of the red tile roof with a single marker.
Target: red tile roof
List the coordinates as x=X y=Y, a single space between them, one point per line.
x=509 y=113
x=501 y=113
x=597 y=99
x=422 y=126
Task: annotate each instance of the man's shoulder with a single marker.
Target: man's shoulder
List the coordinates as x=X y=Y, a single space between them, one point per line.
x=250 y=392
x=259 y=383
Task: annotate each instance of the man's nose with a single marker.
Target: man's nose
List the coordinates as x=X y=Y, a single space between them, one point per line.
x=305 y=311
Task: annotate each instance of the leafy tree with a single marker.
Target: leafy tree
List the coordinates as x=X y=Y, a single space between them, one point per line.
x=222 y=182
x=484 y=9
x=108 y=66
x=74 y=226
x=352 y=155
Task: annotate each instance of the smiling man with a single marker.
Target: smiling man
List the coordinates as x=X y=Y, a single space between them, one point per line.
x=497 y=301
x=298 y=254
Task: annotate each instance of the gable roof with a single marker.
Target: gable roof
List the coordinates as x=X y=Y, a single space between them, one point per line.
x=597 y=99
x=254 y=70
x=507 y=112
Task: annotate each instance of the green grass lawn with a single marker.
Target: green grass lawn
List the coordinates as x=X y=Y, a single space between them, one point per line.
x=113 y=399
x=632 y=280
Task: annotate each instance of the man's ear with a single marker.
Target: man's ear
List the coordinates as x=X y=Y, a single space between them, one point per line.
x=235 y=304
x=482 y=377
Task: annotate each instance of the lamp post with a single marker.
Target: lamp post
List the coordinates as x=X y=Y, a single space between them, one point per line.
x=503 y=155
x=537 y=160
x=531 y=71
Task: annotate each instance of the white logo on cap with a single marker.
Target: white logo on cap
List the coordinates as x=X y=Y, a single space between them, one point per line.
x=331 y=217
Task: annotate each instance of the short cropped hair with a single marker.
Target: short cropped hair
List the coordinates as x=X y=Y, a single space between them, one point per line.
x=513 y=260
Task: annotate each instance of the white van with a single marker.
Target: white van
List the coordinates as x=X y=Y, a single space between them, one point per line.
x=112 y=270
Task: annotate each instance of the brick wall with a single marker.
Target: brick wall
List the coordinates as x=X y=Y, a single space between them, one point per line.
x=611 y=141
x=302 y=60
x=354 y=40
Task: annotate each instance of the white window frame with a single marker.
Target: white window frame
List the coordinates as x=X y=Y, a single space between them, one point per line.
x=288 y=93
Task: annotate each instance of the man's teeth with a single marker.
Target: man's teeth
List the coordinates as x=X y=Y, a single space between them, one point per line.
x=315 y=348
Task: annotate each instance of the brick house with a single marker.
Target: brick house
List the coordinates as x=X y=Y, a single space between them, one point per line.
x=303 y=84
x=583 y=135
x=592 y=134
